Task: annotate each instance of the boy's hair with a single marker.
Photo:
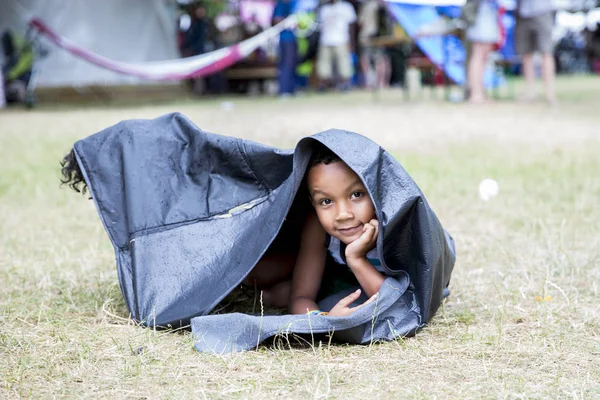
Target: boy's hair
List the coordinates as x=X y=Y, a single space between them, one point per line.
x=322 y=155
x=72 y=175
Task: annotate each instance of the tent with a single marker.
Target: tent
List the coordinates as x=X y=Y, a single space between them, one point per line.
x=131 y=31
x=162 y=68
x=190 y=213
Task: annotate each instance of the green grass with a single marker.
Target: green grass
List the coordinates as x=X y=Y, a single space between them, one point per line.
x=523 y=319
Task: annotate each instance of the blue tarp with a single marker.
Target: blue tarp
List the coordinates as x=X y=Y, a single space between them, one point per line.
x=445 y=51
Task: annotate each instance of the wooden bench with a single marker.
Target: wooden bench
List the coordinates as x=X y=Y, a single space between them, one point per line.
x=250 y=76
x=251 y=73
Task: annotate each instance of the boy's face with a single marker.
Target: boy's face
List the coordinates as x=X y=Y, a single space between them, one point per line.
x=340 y=199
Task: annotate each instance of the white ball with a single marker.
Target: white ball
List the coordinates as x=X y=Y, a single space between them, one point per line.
x=488 y=188
x=227 y=105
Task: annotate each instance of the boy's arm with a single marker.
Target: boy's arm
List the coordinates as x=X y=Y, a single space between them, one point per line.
x=367 y=276
x=309 y=267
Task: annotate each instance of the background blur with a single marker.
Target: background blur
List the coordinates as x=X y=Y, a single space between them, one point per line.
x=142 y=32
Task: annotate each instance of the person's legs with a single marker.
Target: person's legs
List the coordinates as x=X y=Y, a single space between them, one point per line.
x=549 y=75
x=344 y=64
x=365 y=65
x=543 y=27
x=529 y=75
x=15 y=91
x=483 y=35
x=477 y=62
x=2 y=93
x=287 y=67
x=277 y=295
x=324 y=65
x=525 y=46
x=281 y=68
x=271 y=269
x=383 y=68
x=272 y=275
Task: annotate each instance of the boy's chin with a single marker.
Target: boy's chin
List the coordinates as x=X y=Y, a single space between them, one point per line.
x=347 y=239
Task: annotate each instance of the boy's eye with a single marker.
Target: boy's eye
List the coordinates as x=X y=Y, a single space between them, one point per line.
x=357 y=195
x=325 y=202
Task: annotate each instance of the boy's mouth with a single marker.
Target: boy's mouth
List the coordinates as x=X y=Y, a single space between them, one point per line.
x=350 y=231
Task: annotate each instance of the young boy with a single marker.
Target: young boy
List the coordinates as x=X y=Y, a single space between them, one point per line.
x=342 y=222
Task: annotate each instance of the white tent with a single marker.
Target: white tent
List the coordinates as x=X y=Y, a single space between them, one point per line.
x=128 y=31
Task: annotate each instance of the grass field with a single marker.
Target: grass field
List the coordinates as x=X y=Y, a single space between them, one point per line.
x=523 y=320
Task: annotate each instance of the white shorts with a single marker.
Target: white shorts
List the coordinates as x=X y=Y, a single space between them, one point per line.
x=340 y=55
x=486 y=28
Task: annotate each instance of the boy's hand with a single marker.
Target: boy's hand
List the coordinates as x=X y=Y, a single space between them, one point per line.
x=360 y=247
x=342 y=308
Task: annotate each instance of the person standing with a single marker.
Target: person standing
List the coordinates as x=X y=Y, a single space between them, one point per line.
x=533 y=33
x=195 y=37
x=369 y=26
x=336 y=19
x=484 y=35
x=287 y=49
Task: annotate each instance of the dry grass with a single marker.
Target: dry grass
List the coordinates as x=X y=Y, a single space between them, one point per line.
x=522 y=321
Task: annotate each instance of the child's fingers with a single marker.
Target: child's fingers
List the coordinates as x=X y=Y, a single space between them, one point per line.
x=364 y=242
x=367 y=234
x=351 y=298
x=370 y=232
x=369 y=300
x=375 y=224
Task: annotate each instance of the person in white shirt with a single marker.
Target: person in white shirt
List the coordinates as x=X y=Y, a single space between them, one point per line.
x=336 y=19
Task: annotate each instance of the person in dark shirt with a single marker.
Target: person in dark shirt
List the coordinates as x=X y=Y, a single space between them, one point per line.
x=195 y=38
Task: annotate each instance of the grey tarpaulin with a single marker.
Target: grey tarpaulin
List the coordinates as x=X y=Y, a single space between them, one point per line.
x=190 y=213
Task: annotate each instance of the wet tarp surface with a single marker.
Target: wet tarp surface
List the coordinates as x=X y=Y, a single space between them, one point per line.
x=190 y=213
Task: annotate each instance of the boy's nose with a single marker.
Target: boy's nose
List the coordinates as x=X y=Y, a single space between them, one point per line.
x=344 y=212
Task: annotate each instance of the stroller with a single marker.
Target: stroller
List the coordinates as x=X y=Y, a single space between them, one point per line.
x=21 y=66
